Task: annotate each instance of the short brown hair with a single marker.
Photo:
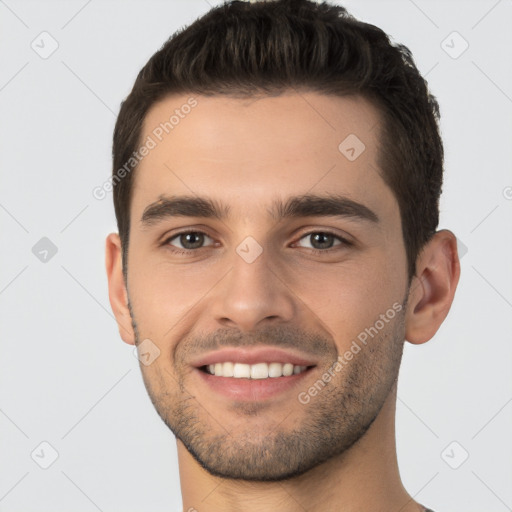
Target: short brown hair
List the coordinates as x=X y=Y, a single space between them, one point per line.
x=243 y=49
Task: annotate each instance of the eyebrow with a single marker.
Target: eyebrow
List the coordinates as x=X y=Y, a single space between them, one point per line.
x=308 y=205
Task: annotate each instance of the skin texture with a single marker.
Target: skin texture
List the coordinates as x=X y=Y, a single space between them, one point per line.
x=337 y=452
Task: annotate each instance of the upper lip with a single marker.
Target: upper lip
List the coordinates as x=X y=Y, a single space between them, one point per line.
x=252 y=356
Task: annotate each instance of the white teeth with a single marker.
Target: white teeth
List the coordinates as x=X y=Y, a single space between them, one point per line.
x=288 y=369
x=240 y=370
x=259 y=371
x=275 y=370
x=254 y=371
x=227 y=370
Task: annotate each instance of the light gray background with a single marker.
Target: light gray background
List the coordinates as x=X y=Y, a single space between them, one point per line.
x=65 y=375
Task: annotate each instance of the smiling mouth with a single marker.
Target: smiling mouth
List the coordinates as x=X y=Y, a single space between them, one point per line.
x=253 y=371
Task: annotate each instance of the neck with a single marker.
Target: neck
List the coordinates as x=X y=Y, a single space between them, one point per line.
x=365 y=477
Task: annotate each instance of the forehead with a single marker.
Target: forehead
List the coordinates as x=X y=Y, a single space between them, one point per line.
x=246 y=152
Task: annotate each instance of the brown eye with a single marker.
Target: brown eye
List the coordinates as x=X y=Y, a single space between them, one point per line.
x=188 y=240
x=322 y=241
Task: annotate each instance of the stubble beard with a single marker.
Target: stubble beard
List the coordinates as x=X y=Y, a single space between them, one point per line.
x=326 y=427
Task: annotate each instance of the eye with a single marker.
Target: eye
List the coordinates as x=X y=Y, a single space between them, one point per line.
x=188 y=240
x=323 y=241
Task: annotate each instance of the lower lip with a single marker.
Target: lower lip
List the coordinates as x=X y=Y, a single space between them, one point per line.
x=252 y=389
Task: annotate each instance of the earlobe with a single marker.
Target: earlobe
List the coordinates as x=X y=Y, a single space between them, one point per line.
x=433 y=288
x=116 y=288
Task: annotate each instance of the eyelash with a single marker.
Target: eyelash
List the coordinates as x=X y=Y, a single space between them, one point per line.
x=188 y=252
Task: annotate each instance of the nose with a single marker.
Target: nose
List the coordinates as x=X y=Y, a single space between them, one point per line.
x=253 y=294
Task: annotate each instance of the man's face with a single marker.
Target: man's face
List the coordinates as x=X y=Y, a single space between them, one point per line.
x=253 y=280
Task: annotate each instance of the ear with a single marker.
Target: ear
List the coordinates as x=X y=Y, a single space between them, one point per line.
x=433 y=287
x=117 y=293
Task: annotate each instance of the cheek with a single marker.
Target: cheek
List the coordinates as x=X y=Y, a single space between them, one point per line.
x=344 y=297
x=162 y=295
x=348 y=298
